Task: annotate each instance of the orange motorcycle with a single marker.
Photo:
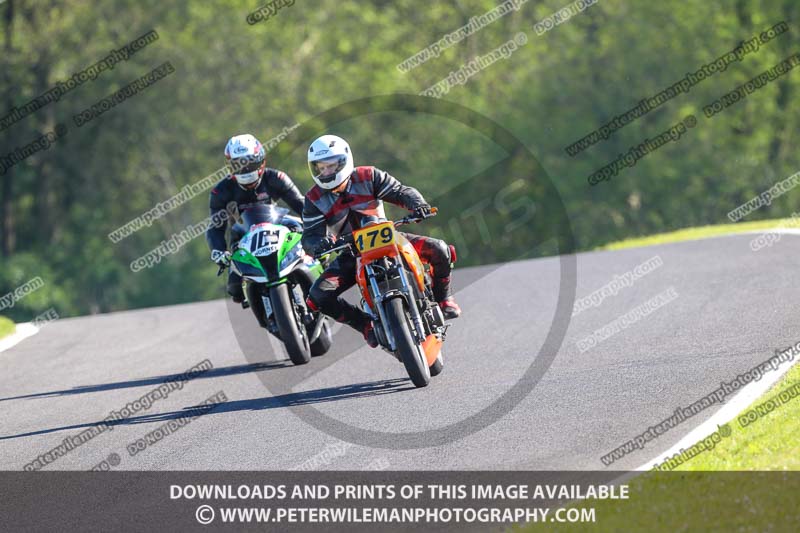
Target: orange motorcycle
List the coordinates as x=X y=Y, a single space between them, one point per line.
x=396 y=294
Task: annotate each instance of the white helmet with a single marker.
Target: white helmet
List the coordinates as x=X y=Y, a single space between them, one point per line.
x=330 y=161
x=247 y=160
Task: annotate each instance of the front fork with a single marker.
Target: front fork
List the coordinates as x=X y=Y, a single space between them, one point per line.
x=377 y=302
x=261 y=291
x=404 y=291
x=412 y=305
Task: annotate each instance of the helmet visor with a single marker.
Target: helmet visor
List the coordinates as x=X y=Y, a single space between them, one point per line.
x=249 y=180
x=245 y=165
x=325 y=170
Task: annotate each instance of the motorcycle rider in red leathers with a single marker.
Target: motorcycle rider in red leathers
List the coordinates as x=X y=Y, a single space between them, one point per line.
x=343 y=194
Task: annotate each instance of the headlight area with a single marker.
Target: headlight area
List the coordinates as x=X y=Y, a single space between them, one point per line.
x=293 y=255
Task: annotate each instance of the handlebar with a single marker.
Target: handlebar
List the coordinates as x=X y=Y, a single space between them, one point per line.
x=411 y=219
x=347 y=238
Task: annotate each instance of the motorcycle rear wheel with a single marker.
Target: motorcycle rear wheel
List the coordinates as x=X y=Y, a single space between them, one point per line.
x=324 y=341
x=437 y=366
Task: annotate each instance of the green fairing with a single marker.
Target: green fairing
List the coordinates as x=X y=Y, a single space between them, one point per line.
x=293 y=240
x=243 y=256
x=290 y=242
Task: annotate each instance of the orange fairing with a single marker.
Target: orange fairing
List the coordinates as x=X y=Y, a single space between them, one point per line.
x=391 y=250
x=432 y=345
x=412 y=261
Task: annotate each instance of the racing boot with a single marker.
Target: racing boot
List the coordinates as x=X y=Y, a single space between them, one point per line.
x=369 y=335
x=450 y=309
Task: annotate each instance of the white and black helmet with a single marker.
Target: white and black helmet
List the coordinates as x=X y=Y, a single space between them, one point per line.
x=247 y=160
x=322 y=154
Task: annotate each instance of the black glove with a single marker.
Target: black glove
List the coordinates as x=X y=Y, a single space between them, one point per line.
x=422 y=211
x=328 y=243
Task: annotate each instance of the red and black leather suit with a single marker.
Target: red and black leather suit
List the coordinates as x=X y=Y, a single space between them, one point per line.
x=325 y=212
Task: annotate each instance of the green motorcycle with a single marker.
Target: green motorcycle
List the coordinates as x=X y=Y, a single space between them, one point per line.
x=277 y=275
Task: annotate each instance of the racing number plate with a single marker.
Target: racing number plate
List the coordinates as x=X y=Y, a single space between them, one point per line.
x=374 y=237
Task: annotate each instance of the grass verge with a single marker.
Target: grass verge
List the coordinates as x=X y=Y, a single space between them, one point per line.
x=765 y=436
x=7 y=327
x=727 y=488
x=700 y=232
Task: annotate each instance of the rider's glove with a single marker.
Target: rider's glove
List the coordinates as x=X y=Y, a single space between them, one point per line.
x=422 y=211
x=222 y=258
x=324 y=245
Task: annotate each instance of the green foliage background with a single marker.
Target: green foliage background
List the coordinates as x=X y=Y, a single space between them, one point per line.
x=59 y=205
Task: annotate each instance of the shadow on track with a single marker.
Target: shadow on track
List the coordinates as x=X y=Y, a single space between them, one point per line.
x=158 y=380
x=328 y=394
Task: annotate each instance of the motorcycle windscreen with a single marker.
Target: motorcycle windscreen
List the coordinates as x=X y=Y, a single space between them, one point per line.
x=258 y=214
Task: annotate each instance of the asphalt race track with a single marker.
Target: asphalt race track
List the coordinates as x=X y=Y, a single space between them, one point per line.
x=734 y=308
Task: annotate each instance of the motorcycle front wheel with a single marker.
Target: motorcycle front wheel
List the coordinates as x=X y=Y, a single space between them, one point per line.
x=406 y=346
x=295 y=339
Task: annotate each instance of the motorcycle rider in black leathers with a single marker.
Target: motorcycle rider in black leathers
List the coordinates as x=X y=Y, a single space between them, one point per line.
x=342 y=196
x=250 y=183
